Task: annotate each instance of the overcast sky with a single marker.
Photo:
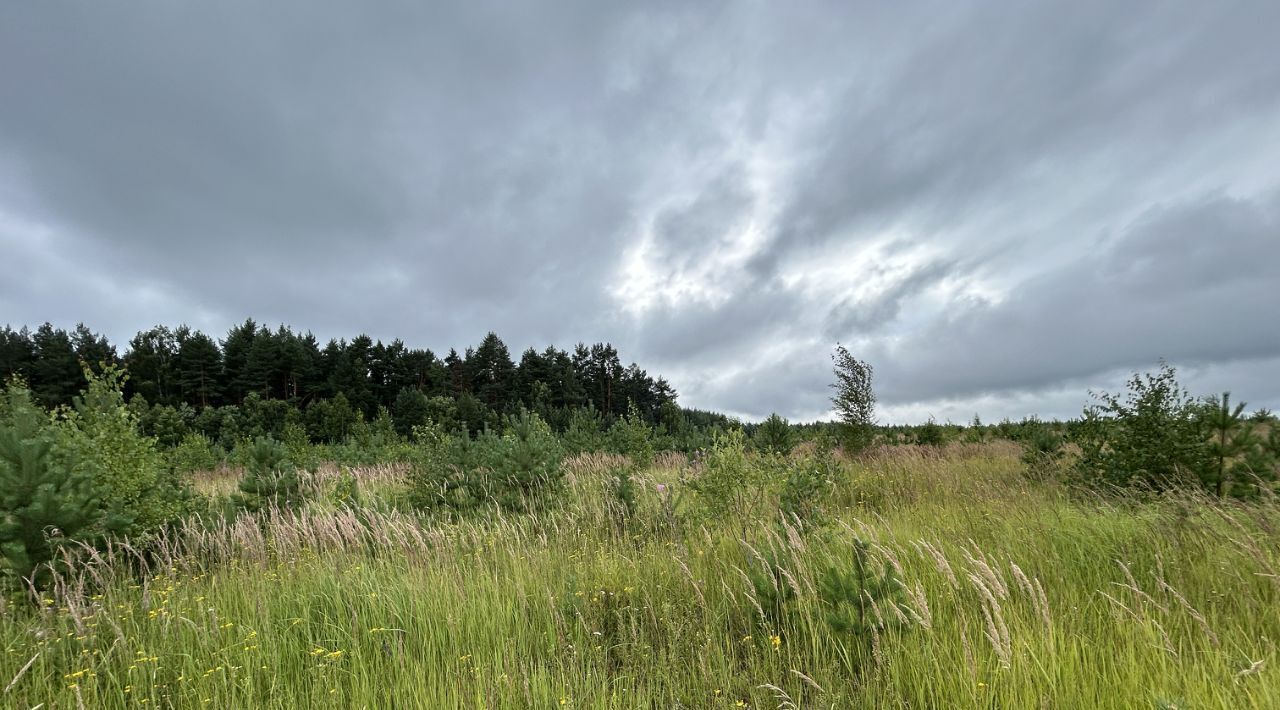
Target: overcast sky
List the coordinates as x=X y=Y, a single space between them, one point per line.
x=998 y=205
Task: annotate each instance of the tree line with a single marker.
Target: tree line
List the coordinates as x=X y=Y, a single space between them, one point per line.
x=254 y=366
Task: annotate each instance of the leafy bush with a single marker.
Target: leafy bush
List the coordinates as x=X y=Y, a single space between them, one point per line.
x=1151 y=437
x=99 y=437
x=724 y=478
x=194 y=453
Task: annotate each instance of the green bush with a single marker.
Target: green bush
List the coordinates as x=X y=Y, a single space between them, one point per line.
x=774 y=436
x=100 y=438
x=270 y=479
x=194 y=453
x=518 y=471
x=808 y=485
x=631 y=436
x=724 y=479
x=44 y=502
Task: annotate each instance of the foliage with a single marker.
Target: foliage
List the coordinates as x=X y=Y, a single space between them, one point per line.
x=808 y=485
x=774 y=435
x=632 y=437
x=724 y=478
x=858 y=599
x=270 y=480
x=44 y=502
x=524 y=465
x=100 y=438
x=1043 y=453
x=518 y=471
x=1235 y=464
x=583 y=434
x=194 y=453
x=622 y=486
x=1150 y=437
x=854 y=400
x=930 y=434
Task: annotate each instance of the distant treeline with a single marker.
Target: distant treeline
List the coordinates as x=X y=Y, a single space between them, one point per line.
x=264 y=373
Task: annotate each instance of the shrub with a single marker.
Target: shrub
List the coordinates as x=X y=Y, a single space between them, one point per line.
x=724 y=479
x=809 y=483
x=524 y=464
x=583 y=433
x=930 y=434
x=519 y=471
x=1042 y=453
x=194 y=453
x=631 y=437
x=1150 y=437
x=100 y=438
x=622 y=485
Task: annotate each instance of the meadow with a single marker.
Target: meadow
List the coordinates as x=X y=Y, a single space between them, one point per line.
x=974 y=585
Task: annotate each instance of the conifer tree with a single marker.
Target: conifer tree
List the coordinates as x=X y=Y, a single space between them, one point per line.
x=44 y=502
x=773 y=435
x=270 y=479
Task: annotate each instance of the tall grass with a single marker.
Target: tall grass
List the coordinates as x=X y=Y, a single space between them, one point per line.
x=1015 y=594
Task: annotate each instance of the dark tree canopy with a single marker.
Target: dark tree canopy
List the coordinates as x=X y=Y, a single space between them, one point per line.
x=257 y=378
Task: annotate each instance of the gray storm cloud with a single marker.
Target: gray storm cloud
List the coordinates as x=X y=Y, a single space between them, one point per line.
x=998 y=205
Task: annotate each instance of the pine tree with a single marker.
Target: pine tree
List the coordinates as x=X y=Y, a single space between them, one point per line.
x=197 y=368
x=44 y=503
x=858 y=599
x=1230 y=440
x=270 y=479
x=773 y=435
x=55 y=375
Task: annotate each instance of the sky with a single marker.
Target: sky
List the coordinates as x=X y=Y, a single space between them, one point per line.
x=999 y=206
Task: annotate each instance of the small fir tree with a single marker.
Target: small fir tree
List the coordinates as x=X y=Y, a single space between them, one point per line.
x=44 y=502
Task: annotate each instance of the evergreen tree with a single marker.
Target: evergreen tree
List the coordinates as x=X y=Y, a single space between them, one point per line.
x=774 y=435
x=150 y=362
x=493 y=373
x=43 y=502
x=92 y=349
x=459 y=378
x=411 y=410
x=270 y=479
x=1231 y=440
x=17 y=354
x=55 y=375
x=197 y=368
x=235 y=355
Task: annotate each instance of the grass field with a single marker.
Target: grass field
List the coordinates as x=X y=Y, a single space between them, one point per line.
x=1013 y=594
